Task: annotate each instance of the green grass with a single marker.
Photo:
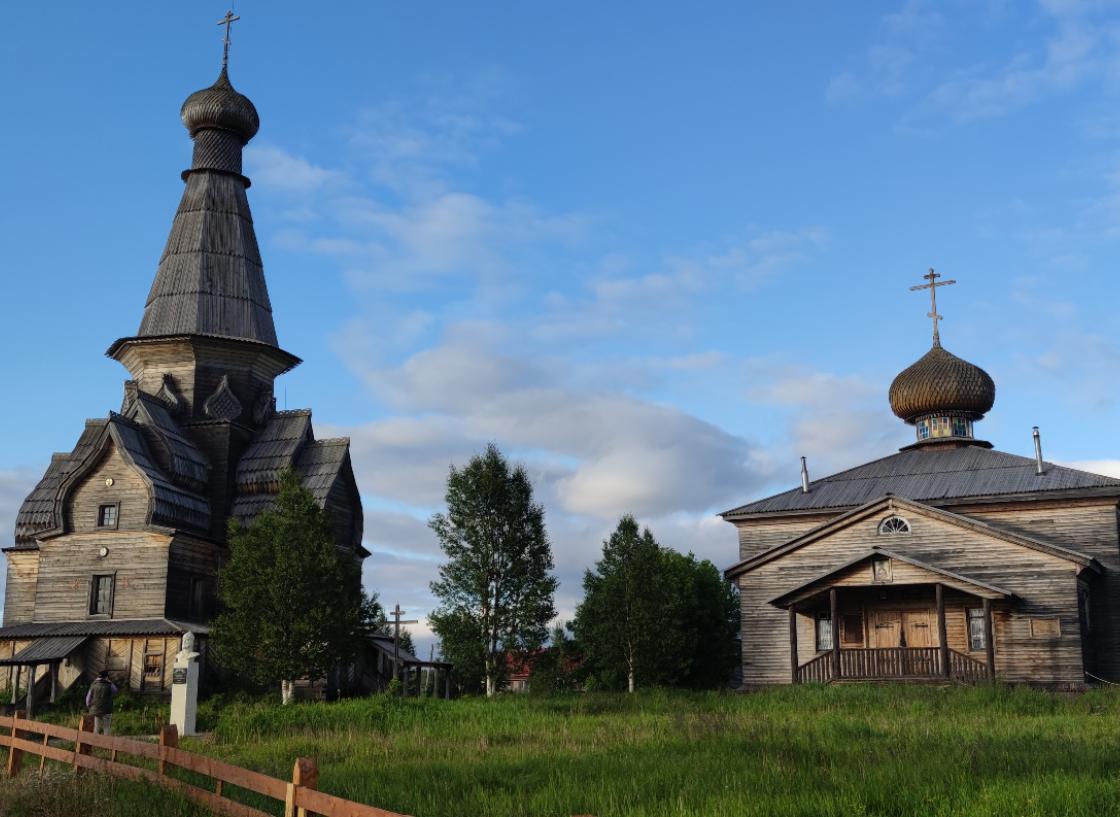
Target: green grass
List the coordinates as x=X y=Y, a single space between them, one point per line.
x=851 y=750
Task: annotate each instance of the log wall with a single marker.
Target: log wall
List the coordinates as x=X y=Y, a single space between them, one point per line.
x=67 y=564
x=19 y=592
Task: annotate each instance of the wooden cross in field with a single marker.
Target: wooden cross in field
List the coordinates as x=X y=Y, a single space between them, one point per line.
x=397 y=622
x=227 y=21
x=932 y=287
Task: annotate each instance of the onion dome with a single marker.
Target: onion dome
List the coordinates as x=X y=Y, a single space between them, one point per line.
x=221 y=107
x=941 y=383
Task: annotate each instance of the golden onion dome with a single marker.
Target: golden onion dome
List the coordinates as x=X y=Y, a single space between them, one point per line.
x=221 y=107
x=942 y=383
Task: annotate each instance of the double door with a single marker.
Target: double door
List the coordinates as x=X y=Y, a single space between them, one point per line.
x=902 y=628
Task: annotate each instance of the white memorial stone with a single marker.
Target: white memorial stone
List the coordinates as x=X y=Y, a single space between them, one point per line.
x=184 y=687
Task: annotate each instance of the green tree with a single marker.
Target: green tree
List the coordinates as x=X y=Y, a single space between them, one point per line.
x=617 y=622
x=653 y=616
x=293 y=604
x=495 y=589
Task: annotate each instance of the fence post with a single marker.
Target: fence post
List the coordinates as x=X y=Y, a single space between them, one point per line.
x=305 y=775
x=15 y=756
x=85 y=724
x=168 y=739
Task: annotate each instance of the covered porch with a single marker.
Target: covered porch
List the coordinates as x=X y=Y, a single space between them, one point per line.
x=889 y=617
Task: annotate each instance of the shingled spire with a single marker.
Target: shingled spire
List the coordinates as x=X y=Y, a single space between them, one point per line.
x=210 y=280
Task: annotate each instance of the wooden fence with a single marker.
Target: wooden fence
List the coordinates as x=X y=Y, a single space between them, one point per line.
x=299 y=795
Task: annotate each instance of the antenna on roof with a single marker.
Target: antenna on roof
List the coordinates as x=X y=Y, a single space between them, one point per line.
x=804 y=477
x=1037 y=451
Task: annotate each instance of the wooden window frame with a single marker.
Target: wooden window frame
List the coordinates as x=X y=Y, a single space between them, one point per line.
x=977 y=614
x=92 y=598
x=116 y=506
x=823 y=615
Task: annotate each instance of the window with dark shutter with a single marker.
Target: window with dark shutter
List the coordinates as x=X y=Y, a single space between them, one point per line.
x=101 y=596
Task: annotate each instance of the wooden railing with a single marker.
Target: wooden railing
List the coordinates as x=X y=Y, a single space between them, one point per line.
x=966 y=668
x=298 y=795
x=886 y=663
x=817 y=671
x=890 y=662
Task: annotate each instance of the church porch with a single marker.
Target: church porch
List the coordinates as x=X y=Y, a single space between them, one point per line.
x=878 y=630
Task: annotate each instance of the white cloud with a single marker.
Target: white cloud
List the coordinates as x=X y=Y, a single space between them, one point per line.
x=1109 y=468
x=274 y=167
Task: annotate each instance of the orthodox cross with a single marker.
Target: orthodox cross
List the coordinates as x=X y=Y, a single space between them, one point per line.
x=227 y=21
x=397 y=622
x=932 y=287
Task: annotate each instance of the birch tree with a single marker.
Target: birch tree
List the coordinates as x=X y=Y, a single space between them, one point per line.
x=496 y=588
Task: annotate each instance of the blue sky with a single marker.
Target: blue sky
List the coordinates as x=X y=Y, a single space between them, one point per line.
x=655 y=254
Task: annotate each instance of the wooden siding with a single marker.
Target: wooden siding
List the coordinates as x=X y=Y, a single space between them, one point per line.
x=1091 y=528
x=190 y=558
x=128 y=488
x=66 y=564
x=1045 y=585
x=19 y=588
x=124 y=658
x=756 y=537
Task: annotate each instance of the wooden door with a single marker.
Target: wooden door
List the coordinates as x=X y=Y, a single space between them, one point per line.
x=917 y=627
x=886 y=628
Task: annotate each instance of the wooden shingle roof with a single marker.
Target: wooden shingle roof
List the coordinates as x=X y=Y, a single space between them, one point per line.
x=210 y=280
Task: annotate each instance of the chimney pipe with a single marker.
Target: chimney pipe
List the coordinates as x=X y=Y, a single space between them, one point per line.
x=1037 y=451
x=804 y=477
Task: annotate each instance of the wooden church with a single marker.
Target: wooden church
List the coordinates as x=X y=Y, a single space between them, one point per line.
x=117 y=549
x=945 y=561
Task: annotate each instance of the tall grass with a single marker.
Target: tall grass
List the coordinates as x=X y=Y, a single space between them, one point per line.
x=850 y=750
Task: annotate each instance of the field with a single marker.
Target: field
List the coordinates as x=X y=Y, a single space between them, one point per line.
x=850 y=750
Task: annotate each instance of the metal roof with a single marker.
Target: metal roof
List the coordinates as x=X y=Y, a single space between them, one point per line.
x=135 y=626
x=929 y=475
x=45 y=650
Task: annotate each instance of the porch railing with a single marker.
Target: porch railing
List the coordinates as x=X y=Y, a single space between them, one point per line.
x=886 y=663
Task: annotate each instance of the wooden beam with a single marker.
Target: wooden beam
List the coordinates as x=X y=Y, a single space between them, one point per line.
x=793 y=645
x=834 y=606
x=989 y=640
x=942 y=630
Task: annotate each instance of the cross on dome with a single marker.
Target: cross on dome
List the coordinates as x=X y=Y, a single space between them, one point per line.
x=227 y=21
x=932 y=286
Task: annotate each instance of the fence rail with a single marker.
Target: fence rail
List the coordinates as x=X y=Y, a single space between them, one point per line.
x=299 y=795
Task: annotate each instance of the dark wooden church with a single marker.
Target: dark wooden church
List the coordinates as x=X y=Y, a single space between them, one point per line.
x=117 y=549
x=946 y=560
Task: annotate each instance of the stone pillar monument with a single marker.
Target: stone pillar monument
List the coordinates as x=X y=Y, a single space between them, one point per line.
x=184 y=687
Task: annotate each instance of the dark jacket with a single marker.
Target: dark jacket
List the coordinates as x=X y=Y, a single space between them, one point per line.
x=100 y=697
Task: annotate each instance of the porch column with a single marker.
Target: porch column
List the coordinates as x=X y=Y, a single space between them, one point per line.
x=793 y=645
x=834 y=604
x=942 y=631
x=989 y=640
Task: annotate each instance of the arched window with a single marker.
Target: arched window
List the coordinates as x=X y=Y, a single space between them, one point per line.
x=893 y=526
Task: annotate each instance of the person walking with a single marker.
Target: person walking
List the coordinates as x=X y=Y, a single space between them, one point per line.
x=99 y=702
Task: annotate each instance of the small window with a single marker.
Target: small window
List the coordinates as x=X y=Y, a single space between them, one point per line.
x=881 y=571
x=101 y=596
x=893 y=526
x=1045 y=628
x=107 y=516
x=977 y=634
x=824 y=632
x=961 y=427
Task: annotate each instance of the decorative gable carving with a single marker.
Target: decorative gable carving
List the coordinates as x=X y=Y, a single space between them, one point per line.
x=223 y=403
x=264 y=408
x=169 y=395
